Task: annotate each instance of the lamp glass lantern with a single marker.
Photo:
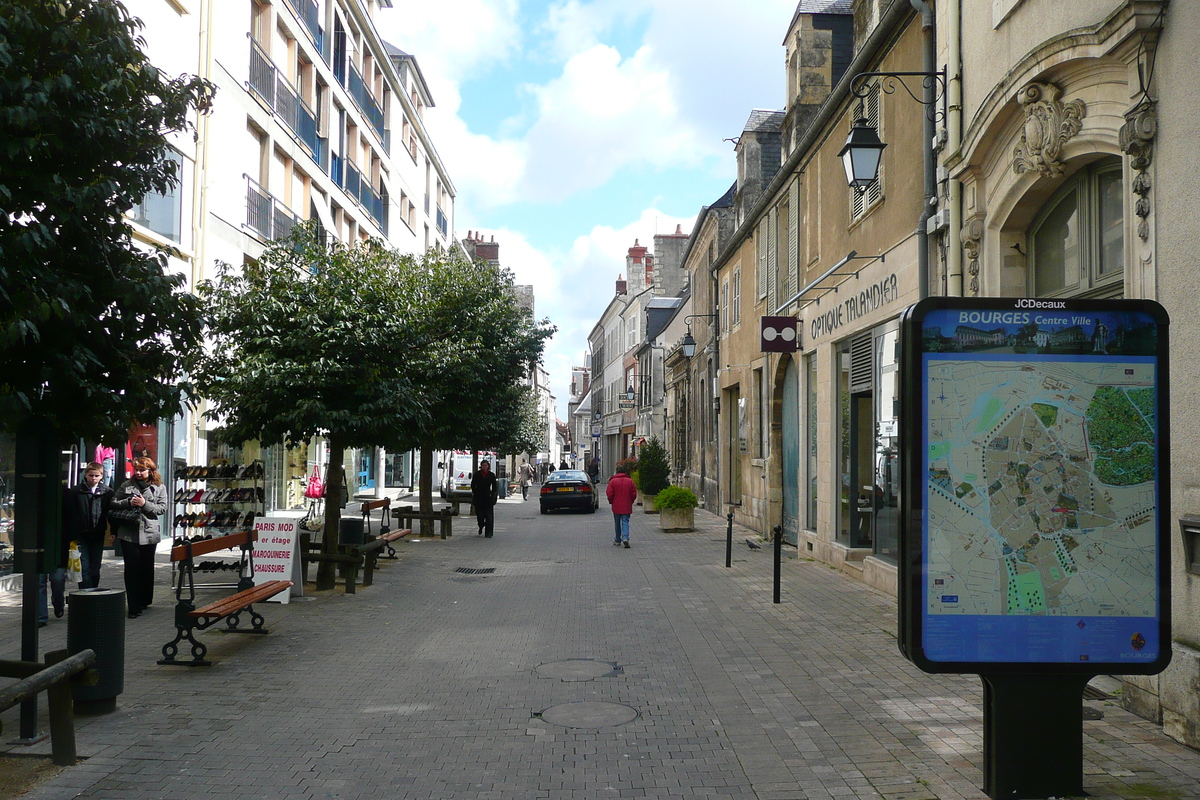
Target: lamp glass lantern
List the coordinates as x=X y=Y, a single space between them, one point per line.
x=861 y=155
x=689 y=344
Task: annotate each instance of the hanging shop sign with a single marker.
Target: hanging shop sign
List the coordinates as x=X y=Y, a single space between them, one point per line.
x=779 y=335
x=275 y=553
x=1035 y=519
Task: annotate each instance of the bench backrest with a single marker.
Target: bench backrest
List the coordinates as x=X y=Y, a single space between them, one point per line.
x=180 y=552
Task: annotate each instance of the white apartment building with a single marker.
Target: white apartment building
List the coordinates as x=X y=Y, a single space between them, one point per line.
x=315 y=117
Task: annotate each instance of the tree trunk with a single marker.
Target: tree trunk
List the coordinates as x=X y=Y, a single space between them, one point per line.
x=426 y=490
x=334 y=478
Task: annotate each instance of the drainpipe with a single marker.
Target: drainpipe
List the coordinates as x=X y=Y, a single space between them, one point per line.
x=929 y=44
x=954 y=253
x=200 y=191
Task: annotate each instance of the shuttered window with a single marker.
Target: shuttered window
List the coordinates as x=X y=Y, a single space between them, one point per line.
x=861 y=202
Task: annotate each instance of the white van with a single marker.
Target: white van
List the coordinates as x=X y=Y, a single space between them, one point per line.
x=456 y=468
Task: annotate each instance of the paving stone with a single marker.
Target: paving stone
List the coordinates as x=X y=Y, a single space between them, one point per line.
x=427 y=685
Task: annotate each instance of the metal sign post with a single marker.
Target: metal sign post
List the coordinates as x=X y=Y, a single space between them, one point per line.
x=1035 y=516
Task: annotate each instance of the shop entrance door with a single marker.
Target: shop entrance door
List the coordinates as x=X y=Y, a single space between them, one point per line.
x=366 y=469
x=862 y=470
x=790 y=442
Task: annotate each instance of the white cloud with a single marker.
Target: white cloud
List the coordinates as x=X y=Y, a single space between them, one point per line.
x=602 y=114
x=454 y=39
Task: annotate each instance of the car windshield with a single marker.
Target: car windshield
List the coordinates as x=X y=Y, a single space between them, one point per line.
x=568 y=475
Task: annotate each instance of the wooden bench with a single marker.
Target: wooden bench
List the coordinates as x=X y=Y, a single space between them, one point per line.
x=405 y=517
x=372 y=551
x=189 y=619
x=388 y=539
x=384 y=517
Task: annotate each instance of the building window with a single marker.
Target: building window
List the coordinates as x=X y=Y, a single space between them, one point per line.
x=724 y=306
x=1077 y=240
x=161 y=212
x=862 y=202
x=737 y=297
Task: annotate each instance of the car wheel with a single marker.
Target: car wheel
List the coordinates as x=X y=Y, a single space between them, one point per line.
x=544 y=509
x=591 y=509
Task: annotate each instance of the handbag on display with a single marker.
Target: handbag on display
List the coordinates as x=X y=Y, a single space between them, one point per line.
x=316 y=487
x=140 y=449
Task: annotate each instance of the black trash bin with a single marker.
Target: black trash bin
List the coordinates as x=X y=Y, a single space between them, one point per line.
x=350 y=531
x=96 y=621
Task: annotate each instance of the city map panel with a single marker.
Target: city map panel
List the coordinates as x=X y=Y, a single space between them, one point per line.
x=1040 y=487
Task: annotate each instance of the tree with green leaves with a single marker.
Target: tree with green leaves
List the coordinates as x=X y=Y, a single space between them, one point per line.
x=313 y=339
x=92 y=327
x=478 y=346
x=653 y=467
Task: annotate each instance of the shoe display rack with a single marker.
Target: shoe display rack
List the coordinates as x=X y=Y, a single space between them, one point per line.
x=217 y=500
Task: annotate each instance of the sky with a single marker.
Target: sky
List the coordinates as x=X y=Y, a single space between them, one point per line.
x=570 y=128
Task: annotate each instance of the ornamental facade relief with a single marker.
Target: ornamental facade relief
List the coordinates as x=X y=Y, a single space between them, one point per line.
x=1049 y=124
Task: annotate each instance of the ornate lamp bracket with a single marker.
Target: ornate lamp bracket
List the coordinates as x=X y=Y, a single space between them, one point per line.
x=889 y=82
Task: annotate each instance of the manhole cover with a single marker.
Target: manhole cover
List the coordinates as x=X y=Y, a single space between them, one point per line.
x=589 y=715
x=578 y=669
x=476 y=570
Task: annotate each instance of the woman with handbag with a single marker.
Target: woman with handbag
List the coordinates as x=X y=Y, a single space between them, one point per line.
x=134 y=512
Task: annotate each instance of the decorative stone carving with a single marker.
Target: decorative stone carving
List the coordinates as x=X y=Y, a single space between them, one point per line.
x=1049 y=124
x=1137 y=141
x=971 y=237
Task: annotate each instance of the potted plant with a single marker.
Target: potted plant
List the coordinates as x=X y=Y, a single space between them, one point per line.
x=654 y=472
x=677 y=508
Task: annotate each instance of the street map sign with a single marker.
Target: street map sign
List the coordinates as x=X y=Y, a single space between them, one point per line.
x=1036 y=521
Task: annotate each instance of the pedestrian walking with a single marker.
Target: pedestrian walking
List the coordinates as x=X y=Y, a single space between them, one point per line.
x=135 y=510
x=85 y=521
x=621 y=493
x=563 y=464
x=594 y=470
x=526 y=474
x=484 y=491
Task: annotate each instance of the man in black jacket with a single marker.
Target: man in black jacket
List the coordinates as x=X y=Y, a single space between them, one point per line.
x=85 y=521
x=484 y=491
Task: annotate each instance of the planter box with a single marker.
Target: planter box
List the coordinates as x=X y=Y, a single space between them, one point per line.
x=648 y=503
x=677 y=519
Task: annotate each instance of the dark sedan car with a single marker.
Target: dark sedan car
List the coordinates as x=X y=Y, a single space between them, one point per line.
x=569 y=488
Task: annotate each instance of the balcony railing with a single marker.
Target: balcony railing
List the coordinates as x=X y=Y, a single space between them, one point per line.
x=265 y=215
x=359 y=187
x=269 y=84
x=306 y=11
x=365 y=100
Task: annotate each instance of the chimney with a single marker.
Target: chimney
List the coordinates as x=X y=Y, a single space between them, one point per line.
x=622 y=286
x=488 y=251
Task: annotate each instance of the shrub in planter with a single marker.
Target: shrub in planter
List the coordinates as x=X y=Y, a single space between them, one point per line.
x=677 y=508
x=654 y=468
x=674 y=497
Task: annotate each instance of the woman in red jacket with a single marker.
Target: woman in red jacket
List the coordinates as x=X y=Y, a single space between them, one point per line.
x=621 y=494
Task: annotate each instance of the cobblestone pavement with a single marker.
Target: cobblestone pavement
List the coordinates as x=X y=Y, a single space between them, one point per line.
x=574 y=670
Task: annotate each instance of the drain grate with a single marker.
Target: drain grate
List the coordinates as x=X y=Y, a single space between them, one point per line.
x=1092 y=693
x=476 y=570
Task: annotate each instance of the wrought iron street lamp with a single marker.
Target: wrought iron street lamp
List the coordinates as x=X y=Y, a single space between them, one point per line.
x=861 y=155
x=689 y=343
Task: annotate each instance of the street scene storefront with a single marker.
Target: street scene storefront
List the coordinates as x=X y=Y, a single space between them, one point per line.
x=846 y=382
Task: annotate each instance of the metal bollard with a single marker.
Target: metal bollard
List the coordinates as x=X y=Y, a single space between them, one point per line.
x=729 y=541
x=778 y=530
